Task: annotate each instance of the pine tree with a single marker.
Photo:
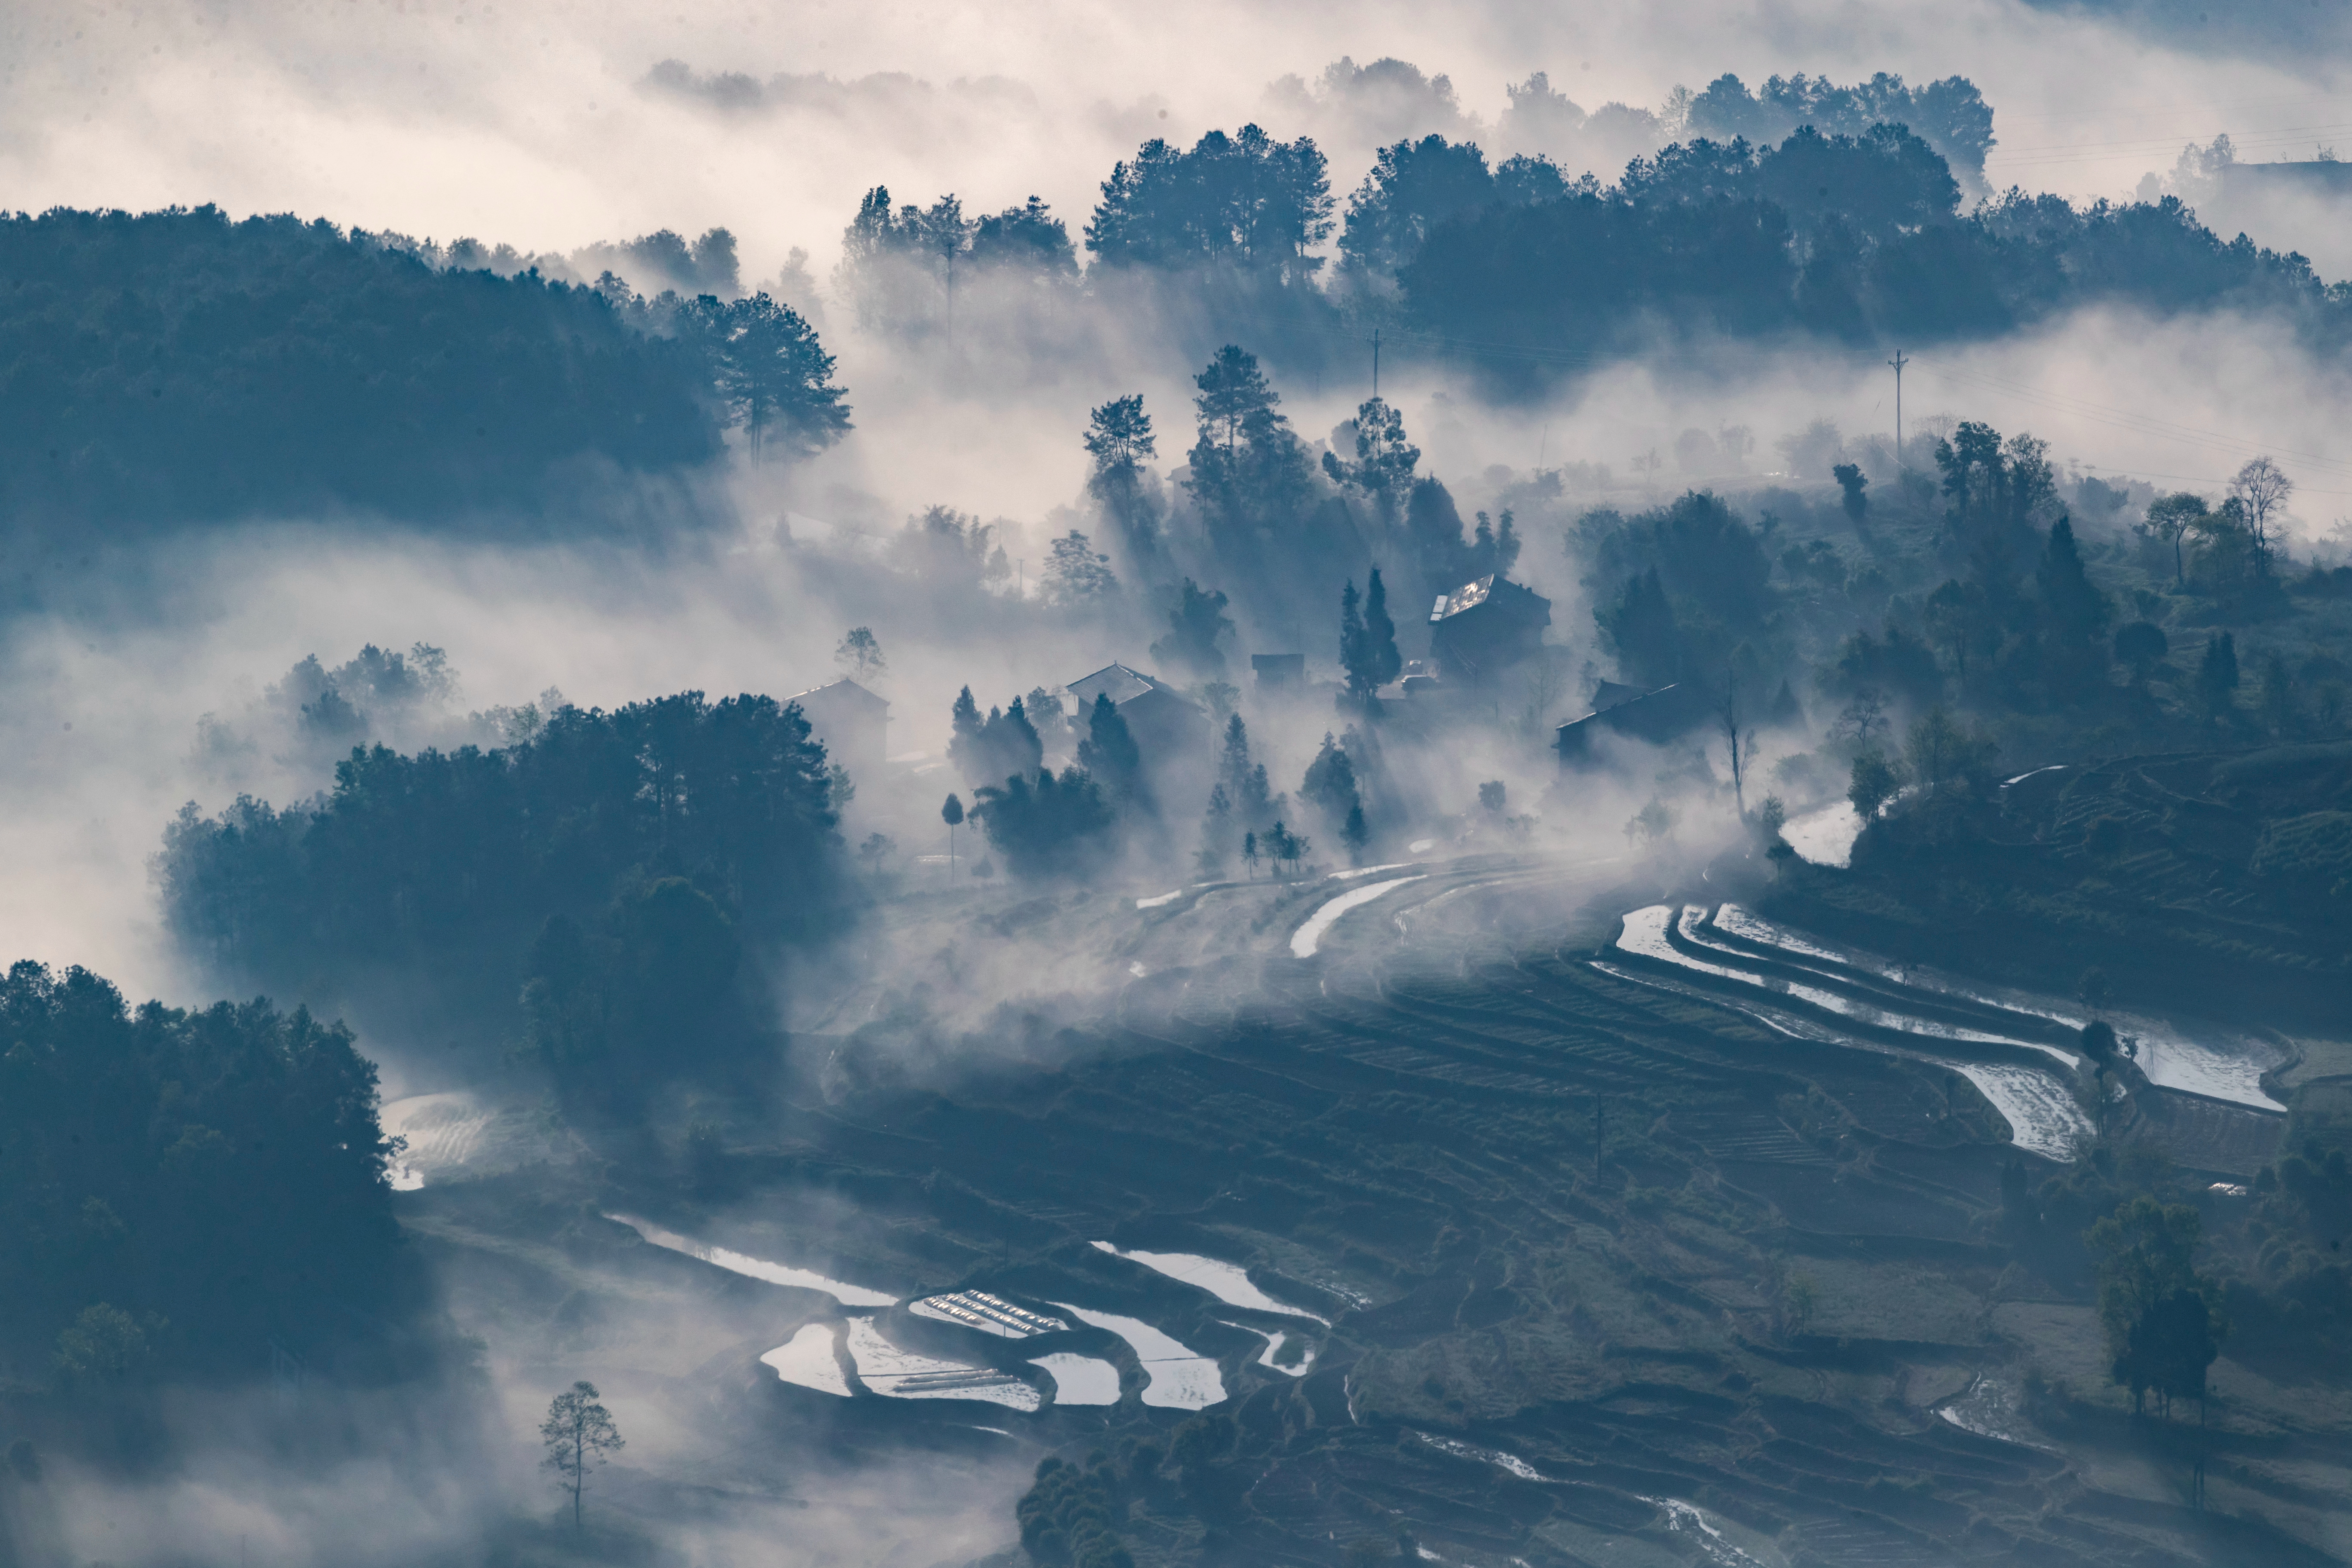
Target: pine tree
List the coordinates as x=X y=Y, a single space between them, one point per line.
x=1110 y=753
x=1355 y=652
x=578 y=1433
x=964 y=749
x=1379 y=633
x=2217 y=675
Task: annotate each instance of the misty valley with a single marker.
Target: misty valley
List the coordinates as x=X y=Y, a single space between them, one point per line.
x=1363 y=855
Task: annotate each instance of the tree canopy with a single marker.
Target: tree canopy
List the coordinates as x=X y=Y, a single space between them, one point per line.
x=212 y=1179
x=417 y=887
x=176 y=365
x=1243 y=200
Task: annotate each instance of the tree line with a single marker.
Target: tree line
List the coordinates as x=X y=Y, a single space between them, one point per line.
x=1073 y=823
x=1813 y=209
x=177 y=365
x=599 y=894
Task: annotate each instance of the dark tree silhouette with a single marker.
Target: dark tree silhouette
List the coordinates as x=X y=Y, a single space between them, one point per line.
x=1197 y=626
x=772 y=376
x=578 y=1433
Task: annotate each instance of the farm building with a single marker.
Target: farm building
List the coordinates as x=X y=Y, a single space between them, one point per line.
x=1485 y=627
x=852 y=722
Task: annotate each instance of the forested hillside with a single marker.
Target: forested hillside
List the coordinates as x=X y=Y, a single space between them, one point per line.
x=178 y=365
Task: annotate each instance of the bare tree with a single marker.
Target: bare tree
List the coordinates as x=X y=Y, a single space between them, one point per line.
x=1863 y=719
x=2261 y=487
x=579 y=1432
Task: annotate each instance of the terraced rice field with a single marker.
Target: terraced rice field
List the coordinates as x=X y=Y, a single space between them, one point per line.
x=1692 y=1253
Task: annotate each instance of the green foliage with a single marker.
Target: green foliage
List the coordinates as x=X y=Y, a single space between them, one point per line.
x=996 y=747
x=1243 y=201
x=1283 y=846
x=104 y=1347
x=860 y=653
x=1993 y=491
x=1640 y=624
x=1198 y=626
x=1385 y=460
x=420 y=882
x=1877 y=778
x=772 y=376
x=577 y=1434
x=1897 y=664
x=1847 y=236
x=2153 y=1305
x=1069 y=1517
x=1245 y=782
x=2216 y=674
x=1119 y=439
x=1075 y=572
x=1413 y=186
x=1249 y=469
x=1051 y=828
x=2074 y=617
x=177 y=365
x=904 y=266
x=1358 y=657
x=2301 y=1291
x=1852 y=491
x=645 y=992
x=218 y=1170
x=1108 y=752
x=1704 y=558
x=1330 y=787
x=1205 y=1440
x=2141 y=646
x=1383 y=662
x=1942 y=750
x=1027 y=238
x=1950 y=115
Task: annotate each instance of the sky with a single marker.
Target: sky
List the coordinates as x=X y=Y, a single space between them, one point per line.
x=525 y=120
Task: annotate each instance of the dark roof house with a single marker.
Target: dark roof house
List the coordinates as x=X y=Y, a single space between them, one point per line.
x=1485 y=627
x=1666 y=714
x=1163 y=721
x=1279 y=669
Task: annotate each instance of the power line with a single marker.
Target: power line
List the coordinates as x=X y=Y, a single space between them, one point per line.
x=2081 y=408
x=2207 y=106
x=2143 y=423
x=2160 y=141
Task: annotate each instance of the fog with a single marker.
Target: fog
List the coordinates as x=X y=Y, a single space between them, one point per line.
x=137 y=687
x=110 y=688
x=531 y=123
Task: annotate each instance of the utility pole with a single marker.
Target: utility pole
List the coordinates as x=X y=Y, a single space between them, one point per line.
x=1376 y=361
x=947 y=253
x=1898 y=361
